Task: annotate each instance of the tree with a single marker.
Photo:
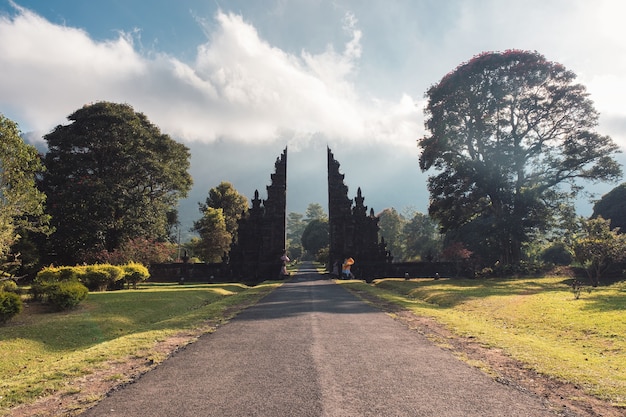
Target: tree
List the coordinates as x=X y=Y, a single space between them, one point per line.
x=422 y=237
x=315 y=236
x=612 y=206
x=295 y=228
x=233 y=204
x=599 y=247
x=391 y=228
x=508 y=132
x=214 y=237
x=457 y=253
x=112 y=176
x=218 y=226
x=139 y=250
x=315 y=211
x=21 y=203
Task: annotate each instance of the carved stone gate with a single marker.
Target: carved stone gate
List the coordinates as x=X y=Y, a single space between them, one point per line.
x=261 y=238
x=255 y=254
x=353 y=231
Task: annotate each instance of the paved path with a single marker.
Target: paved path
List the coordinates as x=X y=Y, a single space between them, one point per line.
x=312 y=349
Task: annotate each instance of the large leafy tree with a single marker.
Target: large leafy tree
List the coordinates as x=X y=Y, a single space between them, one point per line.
x=315 y=236
x=217 y=227
x=227 y=198
x=422 y=238
x=21 y=203
x=297 y=224
x=391 y=227
x=111 y=176
x=315 y=211
x=612 y=206
x=295 y=228
x=214 y=236
x=508 y=133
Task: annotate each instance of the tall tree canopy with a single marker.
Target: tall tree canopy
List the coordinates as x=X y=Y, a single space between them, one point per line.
x=315 y=236
x=111 y=176
x=315 y=211
x=214 y=237
x=391 y=227
x=227 y=198
x=612 y=206
x=422 y=237
x=21 y=203
x=508 y=131
x=218 y=225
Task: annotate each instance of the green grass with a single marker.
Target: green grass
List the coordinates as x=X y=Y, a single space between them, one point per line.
x=535 y=320
x=40 y=352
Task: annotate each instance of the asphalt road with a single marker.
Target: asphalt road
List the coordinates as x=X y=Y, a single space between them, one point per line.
x=312 y=349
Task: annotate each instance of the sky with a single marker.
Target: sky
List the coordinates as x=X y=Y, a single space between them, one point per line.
x=238 y=81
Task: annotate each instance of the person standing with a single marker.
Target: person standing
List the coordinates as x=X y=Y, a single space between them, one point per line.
x=283 y=269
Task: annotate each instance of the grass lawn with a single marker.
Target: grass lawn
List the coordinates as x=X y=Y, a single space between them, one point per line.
x=41 y=350
x=535 y=320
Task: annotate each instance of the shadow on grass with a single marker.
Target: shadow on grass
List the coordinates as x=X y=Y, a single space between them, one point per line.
x=106 y=316
x=450 y=292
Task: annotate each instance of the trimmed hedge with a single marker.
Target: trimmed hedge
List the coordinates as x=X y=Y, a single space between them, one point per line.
x=57 y=274
x=10 y=305
x=99 y=277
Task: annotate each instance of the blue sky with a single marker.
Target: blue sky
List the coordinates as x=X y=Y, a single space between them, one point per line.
x=237 y=81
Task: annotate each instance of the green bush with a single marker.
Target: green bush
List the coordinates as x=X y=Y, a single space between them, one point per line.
x=10 y=305
x=9 y=286
x=557 y=254
x=57 y=274
x=134 y=273
x=46 y=279
x=67 y=294
x=101 y=277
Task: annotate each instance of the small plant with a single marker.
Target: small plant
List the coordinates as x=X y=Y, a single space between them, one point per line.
x=577 y=287
x=10 y=305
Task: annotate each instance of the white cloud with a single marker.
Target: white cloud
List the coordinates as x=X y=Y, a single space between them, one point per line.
x=239 y=87
x=50 y=70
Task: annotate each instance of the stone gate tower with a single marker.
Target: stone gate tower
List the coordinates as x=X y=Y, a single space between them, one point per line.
x=353 y=231
x=261 y=238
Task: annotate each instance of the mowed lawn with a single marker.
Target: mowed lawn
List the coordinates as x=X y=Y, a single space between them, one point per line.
x=41 y=351
x=538 y=321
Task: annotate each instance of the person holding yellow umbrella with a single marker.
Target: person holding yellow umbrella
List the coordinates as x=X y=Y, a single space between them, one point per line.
x=345 y=268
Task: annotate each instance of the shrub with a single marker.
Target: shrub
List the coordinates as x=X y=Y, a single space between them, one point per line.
x=101 y=277
x=57 y=274
x=135 y=272
x=10 y=305
x=557 y=254
x=46 y=279
x=67 y=294
x=9 y=286
x=322 y=256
